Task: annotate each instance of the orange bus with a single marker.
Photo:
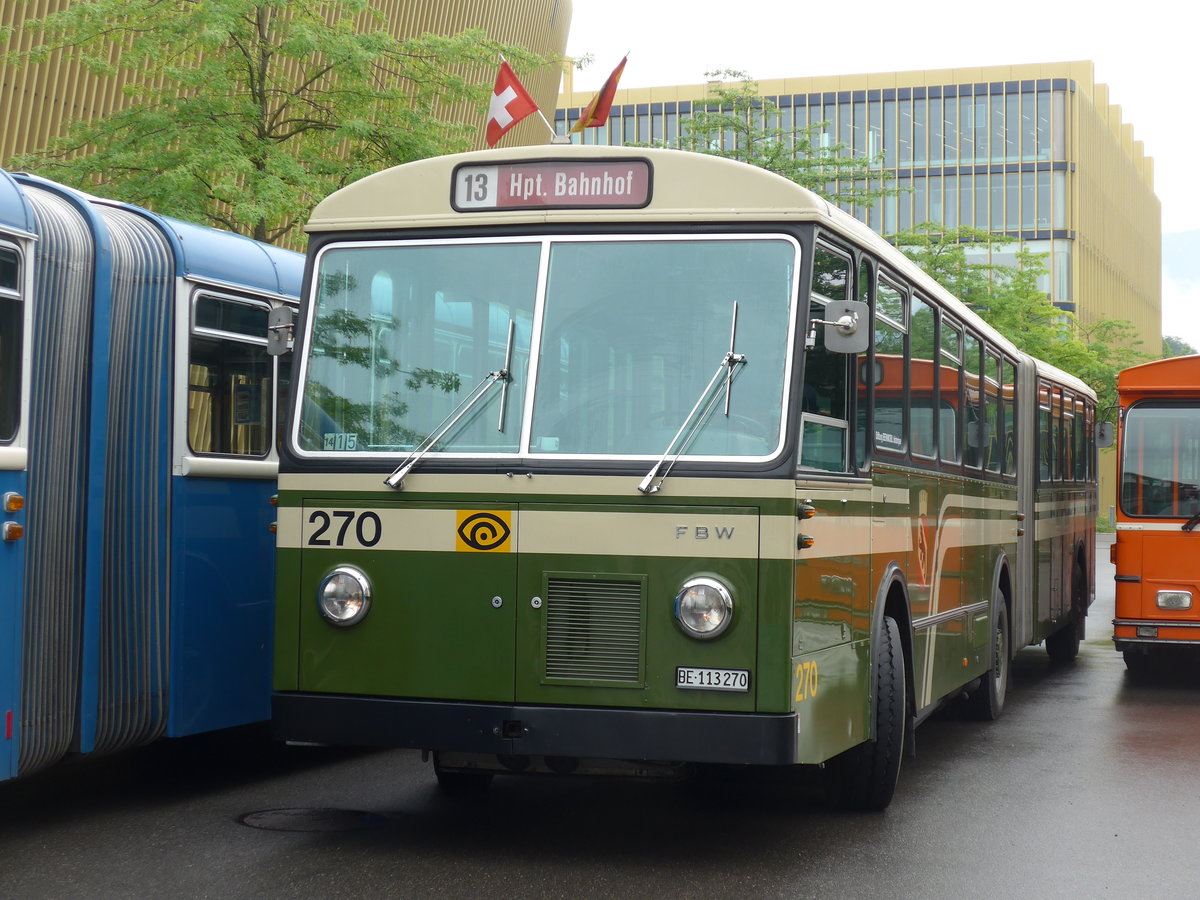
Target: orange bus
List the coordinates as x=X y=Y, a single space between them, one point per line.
x=1155 y=553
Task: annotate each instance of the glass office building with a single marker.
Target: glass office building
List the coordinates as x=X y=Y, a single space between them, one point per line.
x=1034 y=152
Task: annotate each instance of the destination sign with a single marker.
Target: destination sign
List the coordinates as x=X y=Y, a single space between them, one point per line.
x=558 y=183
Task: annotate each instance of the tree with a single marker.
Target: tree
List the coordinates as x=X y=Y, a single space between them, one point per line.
x=246 y=113
x=1010 y=300
x=1176 y=346
x=736 y=123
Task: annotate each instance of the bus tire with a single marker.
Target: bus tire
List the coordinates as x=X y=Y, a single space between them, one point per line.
x=986 y=702
x=865 y=776
x=1063 y=645
x=461 y=784
x=1139 y=662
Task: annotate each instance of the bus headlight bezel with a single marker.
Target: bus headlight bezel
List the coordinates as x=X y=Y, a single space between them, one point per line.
x=344 y=596
x=704 y=607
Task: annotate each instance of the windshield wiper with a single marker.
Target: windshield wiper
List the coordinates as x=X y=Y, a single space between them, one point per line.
x=1191 y=523
x=700 y=412
x=503 y=376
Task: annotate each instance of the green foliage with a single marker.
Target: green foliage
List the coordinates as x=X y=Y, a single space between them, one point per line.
x=736 y=123
x=1176 y=346
x=245 y=113
x=1009 y=299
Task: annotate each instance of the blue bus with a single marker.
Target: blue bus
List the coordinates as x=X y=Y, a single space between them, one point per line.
x=137 y=458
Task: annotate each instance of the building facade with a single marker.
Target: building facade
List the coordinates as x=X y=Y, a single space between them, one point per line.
x=1035 y=152
x=37 y=102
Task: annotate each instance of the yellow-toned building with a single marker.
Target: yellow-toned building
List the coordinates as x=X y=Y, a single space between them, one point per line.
x=36 y=103
x=1036 y=152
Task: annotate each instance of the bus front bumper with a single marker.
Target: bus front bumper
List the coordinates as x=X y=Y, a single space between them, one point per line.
x=1131 y=633
x=514 y=729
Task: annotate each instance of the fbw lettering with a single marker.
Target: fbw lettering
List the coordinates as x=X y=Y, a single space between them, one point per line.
x=704 y=533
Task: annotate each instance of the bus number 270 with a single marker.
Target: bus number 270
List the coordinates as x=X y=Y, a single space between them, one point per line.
x=806 y=681
x=367 y=528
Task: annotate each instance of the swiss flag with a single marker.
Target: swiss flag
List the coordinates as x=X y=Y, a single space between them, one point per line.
x=510 y=104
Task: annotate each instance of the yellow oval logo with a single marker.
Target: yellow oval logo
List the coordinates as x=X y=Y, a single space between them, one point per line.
x=484 y=531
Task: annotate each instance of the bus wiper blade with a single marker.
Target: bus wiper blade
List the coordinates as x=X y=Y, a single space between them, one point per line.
x=695 y=419
x=396 y=479
x=1190 y=524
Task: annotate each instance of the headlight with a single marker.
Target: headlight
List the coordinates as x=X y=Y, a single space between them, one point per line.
x=344 y=597
x=1174 y=600
x=703 y=607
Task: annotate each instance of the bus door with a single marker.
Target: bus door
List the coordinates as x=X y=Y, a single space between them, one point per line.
x=13 y=374
x=834 y=592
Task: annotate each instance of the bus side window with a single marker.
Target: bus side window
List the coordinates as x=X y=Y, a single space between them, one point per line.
x=922 y=373
x=1008 y=390
x=1067 y=447
x=1043 y=431
x=824 y=439
x=230 y=390
x=950 y=391
x=891 y=374
x=865 y=388
x=12 y=313
x=972 y=395
x=992 y=440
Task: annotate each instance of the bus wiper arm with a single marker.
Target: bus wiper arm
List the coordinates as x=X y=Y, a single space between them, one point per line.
x=1190 y=524
x=396 y=479
x=695 y=419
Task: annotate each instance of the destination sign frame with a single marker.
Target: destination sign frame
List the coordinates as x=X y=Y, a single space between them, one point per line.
x=589 y=183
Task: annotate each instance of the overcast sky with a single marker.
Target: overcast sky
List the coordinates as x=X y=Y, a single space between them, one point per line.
x=1145 y=52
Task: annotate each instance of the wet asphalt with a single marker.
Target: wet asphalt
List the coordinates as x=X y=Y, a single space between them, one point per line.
x=1088 y=786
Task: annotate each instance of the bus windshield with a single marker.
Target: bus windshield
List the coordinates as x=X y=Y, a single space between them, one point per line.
x=1160 y=468
x=604 y=345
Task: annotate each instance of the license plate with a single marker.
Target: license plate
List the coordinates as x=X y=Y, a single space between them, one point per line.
x=694 y=679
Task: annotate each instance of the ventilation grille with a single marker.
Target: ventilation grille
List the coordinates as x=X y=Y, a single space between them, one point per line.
x=594 y=630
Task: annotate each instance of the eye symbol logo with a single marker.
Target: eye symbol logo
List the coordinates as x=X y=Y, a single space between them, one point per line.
x=483 y=531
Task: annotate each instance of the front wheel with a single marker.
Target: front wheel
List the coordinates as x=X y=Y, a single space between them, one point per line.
x=866 y=775
x=1139 y=662
x=462 y=784
x=987 y=701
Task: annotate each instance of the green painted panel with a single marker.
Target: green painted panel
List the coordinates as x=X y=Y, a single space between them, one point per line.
x=546 y=674
x=433 y=631
x=286 y=660
x=832 y=695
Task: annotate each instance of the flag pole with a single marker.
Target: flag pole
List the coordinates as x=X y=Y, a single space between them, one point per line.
x=554 y=135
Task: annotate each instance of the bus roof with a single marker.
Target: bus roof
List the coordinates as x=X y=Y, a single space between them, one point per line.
x=680 y=186
x=1178 y=375
x=15 y=214
x=685 y=186
x=212 y=254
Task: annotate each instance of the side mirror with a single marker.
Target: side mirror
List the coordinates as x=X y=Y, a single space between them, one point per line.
x=1105 y=435
x=280 y=323
x=846 y=326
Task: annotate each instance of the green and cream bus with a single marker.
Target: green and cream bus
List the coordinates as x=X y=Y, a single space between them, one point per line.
x=605 y=460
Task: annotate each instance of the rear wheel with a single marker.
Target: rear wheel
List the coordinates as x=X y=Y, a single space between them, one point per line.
x=1063 y=645
x=866 y=775
x=987 y=701
x=1139 y=661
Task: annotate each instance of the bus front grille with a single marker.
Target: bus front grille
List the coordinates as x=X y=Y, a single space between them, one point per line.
x=594 y=630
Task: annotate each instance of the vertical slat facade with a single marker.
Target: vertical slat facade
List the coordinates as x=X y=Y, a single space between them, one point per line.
x=36 y=103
